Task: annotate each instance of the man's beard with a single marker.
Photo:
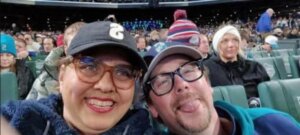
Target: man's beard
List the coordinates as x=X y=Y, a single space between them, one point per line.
x=194 y=128
x=202 y=124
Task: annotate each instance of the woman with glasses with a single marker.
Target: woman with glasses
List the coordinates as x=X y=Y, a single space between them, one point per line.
x=97 y=86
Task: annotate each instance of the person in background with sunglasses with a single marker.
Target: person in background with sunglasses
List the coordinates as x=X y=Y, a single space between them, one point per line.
x=97 y=87
x=179 y=95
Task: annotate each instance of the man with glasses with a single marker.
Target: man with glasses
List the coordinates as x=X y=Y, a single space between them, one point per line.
x=179 y=95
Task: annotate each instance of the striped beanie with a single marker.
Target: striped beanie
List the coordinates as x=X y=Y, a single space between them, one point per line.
x=182 y=30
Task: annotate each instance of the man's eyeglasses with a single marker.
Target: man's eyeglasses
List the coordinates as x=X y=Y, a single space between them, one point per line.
x=163 y=83
x=91 y=70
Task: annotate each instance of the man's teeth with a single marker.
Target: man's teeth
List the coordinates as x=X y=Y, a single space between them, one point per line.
x=101 y=103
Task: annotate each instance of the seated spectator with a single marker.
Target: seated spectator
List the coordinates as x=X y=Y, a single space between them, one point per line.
x=9 y=63
x=229 y=67
x=179 y=95
x=154 y=37
x=19 y=35
x=141 y=43
x=60 y=40
x=271 y=42
x=278 y=33
x=22 y=52
x=204 y=47
x=245 y=46
x=293 y=34
x=48 y=44
x=47 y=82
x=32 y=46
x=39 y=38
x=96 y=85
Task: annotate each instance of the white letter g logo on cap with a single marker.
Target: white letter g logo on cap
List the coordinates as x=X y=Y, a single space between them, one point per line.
x=116 y=31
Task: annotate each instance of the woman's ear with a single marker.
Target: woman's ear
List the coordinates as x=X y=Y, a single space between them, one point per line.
x=62 y=70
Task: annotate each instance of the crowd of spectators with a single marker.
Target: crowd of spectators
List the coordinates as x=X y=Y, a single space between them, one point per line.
x=149 y=32
x=212 y=42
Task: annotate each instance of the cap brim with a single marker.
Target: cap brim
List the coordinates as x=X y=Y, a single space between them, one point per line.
x=133 y=55
x=172 y=50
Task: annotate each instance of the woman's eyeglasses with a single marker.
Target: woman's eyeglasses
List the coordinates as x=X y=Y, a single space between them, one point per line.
x=91 y=70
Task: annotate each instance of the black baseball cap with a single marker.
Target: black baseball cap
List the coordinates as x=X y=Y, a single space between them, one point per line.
x=105 y=34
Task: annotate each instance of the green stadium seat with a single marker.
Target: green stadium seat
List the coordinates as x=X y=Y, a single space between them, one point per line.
x=257 y=54
x=234 y=94
x=295 y=65
x=9 y=87
x=284 y=66
x=266 y=54
x=283 y=52
x=283 y=95
x=275 y=71
x=288 y=44
x=298 y=51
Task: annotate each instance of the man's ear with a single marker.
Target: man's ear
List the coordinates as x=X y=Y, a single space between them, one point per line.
x=153 y=111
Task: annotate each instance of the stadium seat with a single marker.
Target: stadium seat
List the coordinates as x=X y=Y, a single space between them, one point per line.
x=257 y=54
x=298 y=51
x=283 y=95
x=284 y=66
x=266 y=54
x=288 y=44
x=283 y=52
x=275 y=71
x=295 y=65
x=234 y=94
x=9 y=87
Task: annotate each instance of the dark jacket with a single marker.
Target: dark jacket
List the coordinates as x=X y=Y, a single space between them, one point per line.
x=44 y=117
x=25 y=78
x=241 y=72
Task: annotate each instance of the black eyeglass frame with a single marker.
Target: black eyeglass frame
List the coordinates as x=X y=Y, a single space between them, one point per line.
x=149 y=86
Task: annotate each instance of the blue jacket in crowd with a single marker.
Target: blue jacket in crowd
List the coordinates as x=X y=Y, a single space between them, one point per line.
x=44 y=117
x=264 y=23
x=257 y=121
